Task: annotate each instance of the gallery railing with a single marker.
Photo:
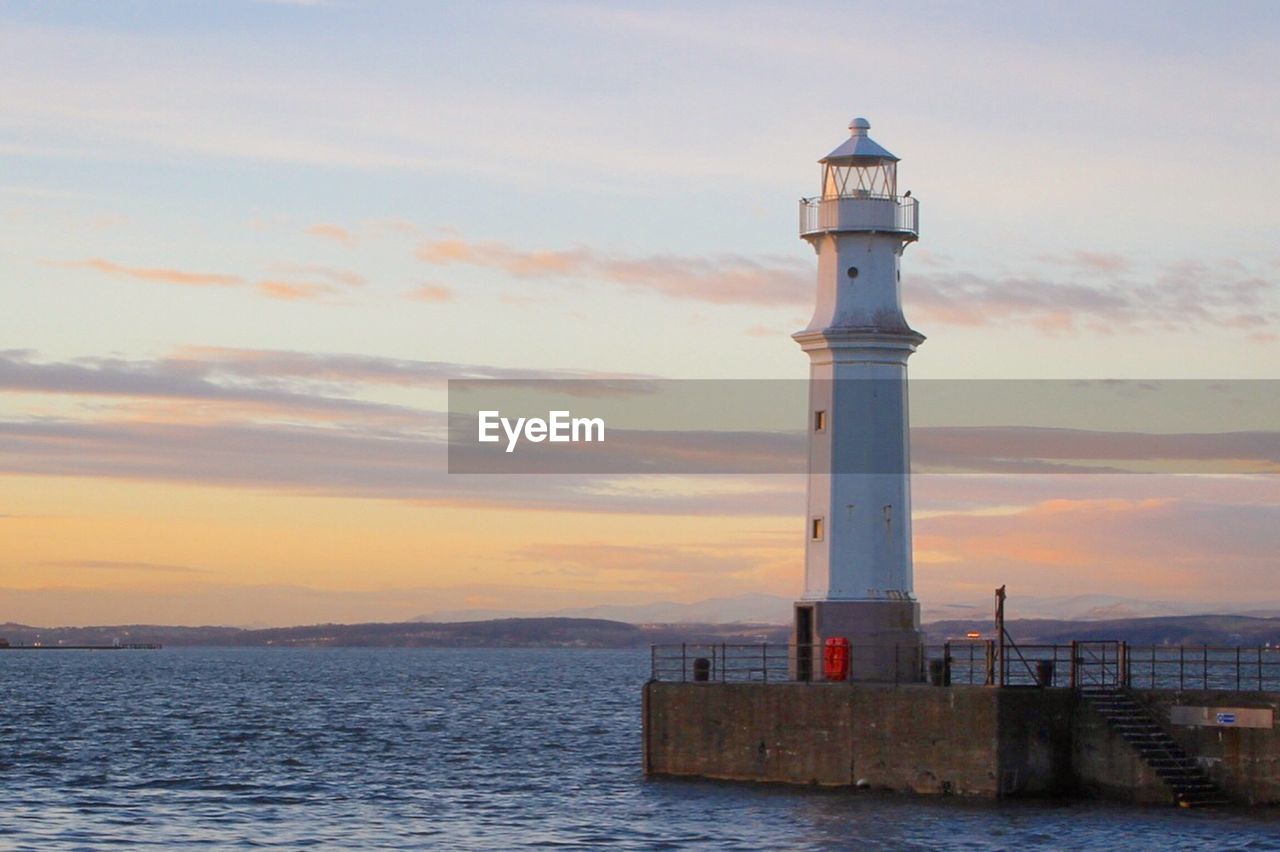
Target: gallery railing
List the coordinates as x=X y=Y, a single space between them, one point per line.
x=1079 y=665
x=901 y=214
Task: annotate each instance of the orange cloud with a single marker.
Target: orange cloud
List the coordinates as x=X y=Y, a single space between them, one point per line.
x=329 y=231
x=728 y=279
x=431 y=293
x=1137 y=546
x=292 y=291
x=273 y=288
x=447 y=251
x=336 y=277
x=1095 y=290
x=166 y=276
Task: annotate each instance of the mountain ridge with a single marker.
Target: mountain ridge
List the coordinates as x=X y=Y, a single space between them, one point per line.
x=561 y=632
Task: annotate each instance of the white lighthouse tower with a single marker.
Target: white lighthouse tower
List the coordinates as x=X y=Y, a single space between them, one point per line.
x=858 y=573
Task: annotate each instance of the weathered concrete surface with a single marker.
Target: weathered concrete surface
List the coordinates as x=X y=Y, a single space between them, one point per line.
x=1034 y=729
x=1243 y=762
x=886 y=643
x=792 y=732
x=957 y=740
x=963 y=740
x=1104 y=765
x=906 y=739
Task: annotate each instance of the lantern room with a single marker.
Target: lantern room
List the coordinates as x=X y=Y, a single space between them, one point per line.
x=859 y=168
x=859 y=192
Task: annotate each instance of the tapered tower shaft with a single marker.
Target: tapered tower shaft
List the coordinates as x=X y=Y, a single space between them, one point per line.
x=858 y=562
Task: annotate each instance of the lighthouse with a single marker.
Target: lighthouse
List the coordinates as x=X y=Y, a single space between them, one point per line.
x=858 y=571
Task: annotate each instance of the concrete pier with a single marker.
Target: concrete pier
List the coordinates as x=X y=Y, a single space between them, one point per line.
x=957 y=740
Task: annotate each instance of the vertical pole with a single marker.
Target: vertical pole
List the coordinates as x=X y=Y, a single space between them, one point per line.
x=946 y=663
x=684 y=659
x=1000 y=596
x=724 y=662
x=1182 y=664
x=1075 y=658
x=764 y=661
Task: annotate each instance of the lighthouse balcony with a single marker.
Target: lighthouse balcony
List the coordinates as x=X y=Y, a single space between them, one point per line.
x=863 y=212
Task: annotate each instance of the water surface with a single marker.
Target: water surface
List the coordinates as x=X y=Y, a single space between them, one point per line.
x=444 y=748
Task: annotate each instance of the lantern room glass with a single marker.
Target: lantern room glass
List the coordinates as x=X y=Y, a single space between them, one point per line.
x=876 y=179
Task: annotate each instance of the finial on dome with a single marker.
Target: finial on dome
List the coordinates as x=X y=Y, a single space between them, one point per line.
x=859 y=126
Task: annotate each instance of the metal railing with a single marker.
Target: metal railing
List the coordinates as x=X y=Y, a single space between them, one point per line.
x=1079 y=665
x=1231 y=668
x=822 y=214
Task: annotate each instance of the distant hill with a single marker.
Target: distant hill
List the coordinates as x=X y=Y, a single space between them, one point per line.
x=1167 y=630
x=760 y=608
x=606 y=633
x=755 y=608
x=498 y=633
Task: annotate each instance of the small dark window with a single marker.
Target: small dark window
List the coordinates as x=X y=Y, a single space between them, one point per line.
x=819 y=421
x=816 y=531
x=852 y=272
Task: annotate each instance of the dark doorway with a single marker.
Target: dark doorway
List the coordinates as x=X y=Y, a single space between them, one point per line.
x=804 y=643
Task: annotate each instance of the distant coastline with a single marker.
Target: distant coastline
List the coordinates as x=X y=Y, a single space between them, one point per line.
x=556 y=632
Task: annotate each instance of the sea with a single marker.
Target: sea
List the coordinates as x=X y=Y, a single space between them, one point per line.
x=446 y=749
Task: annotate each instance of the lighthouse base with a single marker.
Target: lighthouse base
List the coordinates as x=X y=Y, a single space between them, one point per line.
x=886 y=644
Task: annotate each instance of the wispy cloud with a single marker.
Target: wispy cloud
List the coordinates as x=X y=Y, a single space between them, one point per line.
x=178 y=379
x=723 y=279
x=350 y=367
x=109 y=565
x=1169 y=545
x=1102 y=294
x=431 y=293
x=330 y=231
x=329 y=274
x=162 y=275
x=330 y=280
x=1084 y=290
x=293 y=291
x=595 y=558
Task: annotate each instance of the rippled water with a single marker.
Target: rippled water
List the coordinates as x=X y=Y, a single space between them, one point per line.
x=448 y=749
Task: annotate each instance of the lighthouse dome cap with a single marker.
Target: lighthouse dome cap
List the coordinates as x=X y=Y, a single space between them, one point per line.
x=859 y=147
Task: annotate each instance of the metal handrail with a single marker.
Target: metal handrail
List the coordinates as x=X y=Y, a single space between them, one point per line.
x=1078 y=665
x=821 y=213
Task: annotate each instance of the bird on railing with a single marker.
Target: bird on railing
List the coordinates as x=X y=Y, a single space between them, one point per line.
x=907 y=194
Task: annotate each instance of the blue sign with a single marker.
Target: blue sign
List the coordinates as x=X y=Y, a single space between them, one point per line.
x=1226 y=718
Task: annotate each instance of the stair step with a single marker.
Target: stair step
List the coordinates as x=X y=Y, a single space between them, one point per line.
x=1133 y=723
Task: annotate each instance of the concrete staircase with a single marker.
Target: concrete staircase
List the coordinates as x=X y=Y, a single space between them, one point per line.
x=1190 y=786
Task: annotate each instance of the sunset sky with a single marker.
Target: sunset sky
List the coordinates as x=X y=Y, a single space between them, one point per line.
x=244 y=245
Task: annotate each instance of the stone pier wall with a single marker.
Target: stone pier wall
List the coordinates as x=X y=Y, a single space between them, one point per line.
x=961 y=740
x=1243 y=761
